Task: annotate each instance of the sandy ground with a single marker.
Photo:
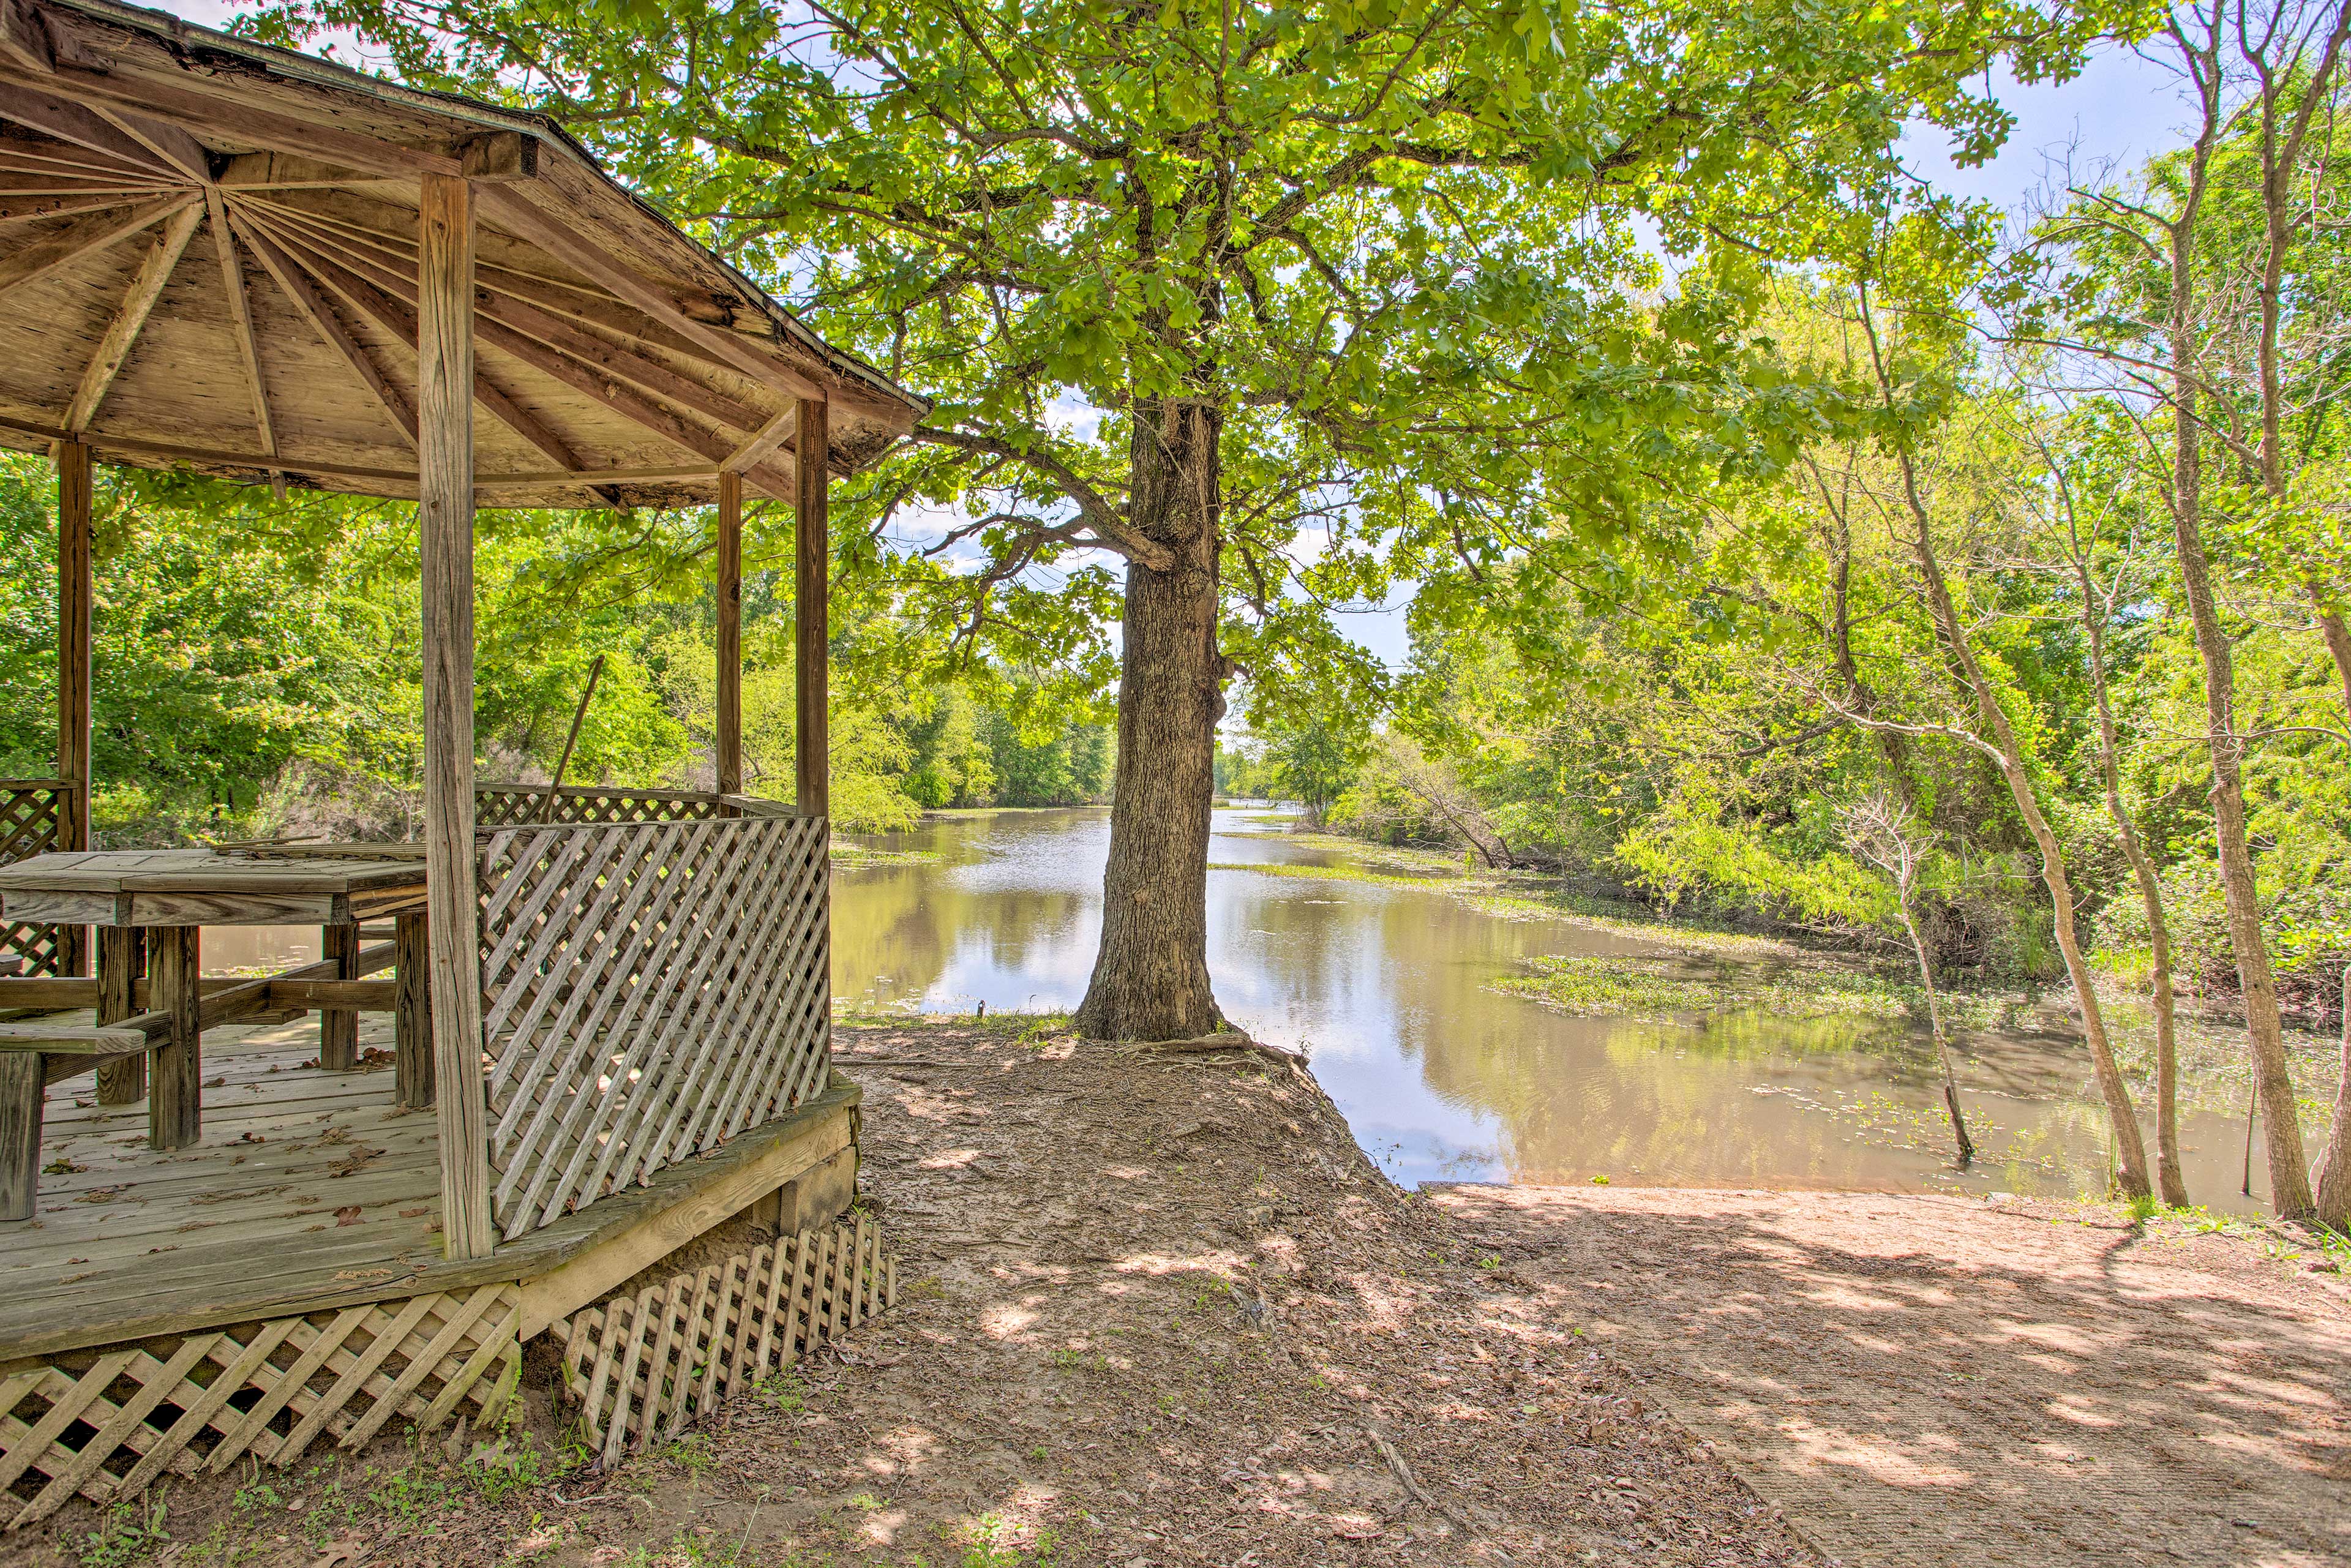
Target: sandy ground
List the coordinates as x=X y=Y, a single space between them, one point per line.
x=1160 y=1311
x=1904 y=1373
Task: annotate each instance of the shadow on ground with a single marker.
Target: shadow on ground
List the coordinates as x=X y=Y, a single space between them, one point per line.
x=1922 y=1379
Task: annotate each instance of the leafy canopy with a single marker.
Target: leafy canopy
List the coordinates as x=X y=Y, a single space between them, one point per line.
x=1407 y=247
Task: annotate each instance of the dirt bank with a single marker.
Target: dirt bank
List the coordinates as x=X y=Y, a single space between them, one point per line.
x=1163 y=1312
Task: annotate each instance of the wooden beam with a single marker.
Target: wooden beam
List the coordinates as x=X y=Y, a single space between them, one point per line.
x=34 y=209
x=21 y=1088
x=18 y=184
x=167 y=452
x=47 y=159
x=519 y=214
x=339 y=1028
x=240 y=314
x=121 y=969
x=41 y=208
x=643 y=475
x=764 y=441
x=811 y=548
x=238 y=120
x=123 y=333
x=559 y=314
x=445 y=524
x=548 y=344
x=728 y=743
x=398 y=317
x=411 y=1010
x=71 y=123
x=175 y=1094
x=331 y=998
x=84 y=236
x=511 y=412
x=178 y=151
x=73 y=543
x=284 y=172
x=499 y=157
x=321 y=313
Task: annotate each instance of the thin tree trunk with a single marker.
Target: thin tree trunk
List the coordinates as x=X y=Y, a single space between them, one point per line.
x=2172 y=1181
x=2332 y=1178
x=2273 y=1081
x=2280 y=156
x=1942 y=1046
x=1151 y=974
x=2130 y=1146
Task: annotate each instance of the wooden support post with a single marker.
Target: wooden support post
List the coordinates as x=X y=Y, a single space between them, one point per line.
x=412 y=1013
x=73 y=674
x=728 y=747
x=812 y=544
x=444 y=488
x=339 y=1028
x=20 y=1133
x=121 y=965
x=175 y=1100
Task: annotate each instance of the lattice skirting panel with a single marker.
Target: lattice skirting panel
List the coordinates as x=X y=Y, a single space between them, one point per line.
x=104 y=1423
x=640 y=1366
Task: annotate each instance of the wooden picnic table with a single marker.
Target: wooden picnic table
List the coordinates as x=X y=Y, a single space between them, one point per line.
x=157 y=901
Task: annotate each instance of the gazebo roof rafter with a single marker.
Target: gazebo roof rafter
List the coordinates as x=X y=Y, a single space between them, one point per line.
x=617 y=362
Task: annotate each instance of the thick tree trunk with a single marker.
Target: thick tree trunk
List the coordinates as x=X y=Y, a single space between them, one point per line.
x=1151 y=974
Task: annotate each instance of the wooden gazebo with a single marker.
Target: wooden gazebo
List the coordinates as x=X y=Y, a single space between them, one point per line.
x=238 y=260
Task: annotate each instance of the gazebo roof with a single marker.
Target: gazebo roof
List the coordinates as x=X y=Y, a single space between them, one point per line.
x=208 y=260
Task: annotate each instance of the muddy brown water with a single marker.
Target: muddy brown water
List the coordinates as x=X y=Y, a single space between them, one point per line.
x=1388 y=989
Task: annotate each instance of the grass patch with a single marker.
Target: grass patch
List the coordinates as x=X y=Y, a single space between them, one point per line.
x=1509 y=894
x=1341 y=874
x=1017 y=1026
x=854 y=855
x=1608 y=988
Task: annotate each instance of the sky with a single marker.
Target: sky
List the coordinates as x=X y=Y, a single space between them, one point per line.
x=2120 y=111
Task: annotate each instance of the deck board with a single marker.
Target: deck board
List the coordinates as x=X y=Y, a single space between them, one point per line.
x=289 y=1154
x=256 y=1220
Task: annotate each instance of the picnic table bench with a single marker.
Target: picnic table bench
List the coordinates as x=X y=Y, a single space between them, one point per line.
x=149 y=1028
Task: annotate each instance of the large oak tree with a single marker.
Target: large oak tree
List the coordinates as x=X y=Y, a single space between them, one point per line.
x=1235 y=310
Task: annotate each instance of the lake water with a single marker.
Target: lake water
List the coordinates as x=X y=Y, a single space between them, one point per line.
x=1387 y=988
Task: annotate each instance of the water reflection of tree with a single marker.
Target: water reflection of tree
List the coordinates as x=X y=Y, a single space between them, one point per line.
x=898 y=929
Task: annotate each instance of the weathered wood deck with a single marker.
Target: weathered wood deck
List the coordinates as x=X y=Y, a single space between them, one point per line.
x=312 y=1189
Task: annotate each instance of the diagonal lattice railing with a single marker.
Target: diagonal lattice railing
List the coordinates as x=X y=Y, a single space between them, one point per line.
x=648 y=992
x=32 y=815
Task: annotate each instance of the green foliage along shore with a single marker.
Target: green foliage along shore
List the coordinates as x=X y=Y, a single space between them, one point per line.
x=1691 y=735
